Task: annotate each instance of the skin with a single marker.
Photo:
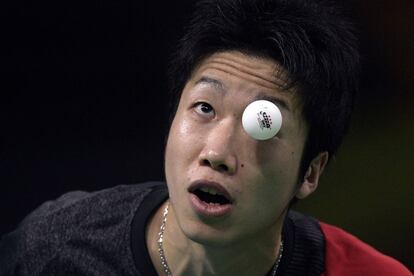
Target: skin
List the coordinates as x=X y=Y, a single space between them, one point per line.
x=207 y=142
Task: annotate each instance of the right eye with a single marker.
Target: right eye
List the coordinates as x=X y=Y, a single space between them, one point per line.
x=204 y=109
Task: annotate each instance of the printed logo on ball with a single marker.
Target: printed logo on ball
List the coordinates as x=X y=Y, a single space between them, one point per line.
x=264 y=120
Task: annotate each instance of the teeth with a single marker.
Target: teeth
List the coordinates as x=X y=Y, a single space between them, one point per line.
x=211 y=191
x=204 y=189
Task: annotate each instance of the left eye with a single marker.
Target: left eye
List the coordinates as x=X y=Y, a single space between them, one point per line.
x=203 y=108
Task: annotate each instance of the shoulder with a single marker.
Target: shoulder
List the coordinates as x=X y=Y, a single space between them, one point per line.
x=67 y=224
x=80 y=208
x=347 y=255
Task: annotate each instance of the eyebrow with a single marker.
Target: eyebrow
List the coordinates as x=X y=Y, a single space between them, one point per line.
x=213 y=82
x=261 y=96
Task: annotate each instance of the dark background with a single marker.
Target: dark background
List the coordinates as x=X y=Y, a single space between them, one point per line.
x=84 y=106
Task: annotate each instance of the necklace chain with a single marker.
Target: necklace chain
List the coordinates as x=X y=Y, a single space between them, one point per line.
x=162 y=253
x=160 y=240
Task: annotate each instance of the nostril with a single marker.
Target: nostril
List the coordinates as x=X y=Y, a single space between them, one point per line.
x=223 y=167
x=215 y=165
x=205 y=162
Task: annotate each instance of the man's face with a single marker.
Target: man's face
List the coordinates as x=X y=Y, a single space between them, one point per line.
x=209 y=152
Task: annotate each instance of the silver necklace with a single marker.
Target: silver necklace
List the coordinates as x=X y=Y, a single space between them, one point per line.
x=162 y=253
x=279 y=257
x=160 y=240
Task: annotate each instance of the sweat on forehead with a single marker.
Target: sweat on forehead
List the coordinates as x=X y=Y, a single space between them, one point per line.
x=264 y=72
x=268 y=72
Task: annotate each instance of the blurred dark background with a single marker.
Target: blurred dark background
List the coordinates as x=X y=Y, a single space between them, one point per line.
x=83 y=105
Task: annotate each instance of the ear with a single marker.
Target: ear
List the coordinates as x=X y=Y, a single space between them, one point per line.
x=311 y=179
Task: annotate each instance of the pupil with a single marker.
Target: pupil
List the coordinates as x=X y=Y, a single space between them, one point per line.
x=205 y=108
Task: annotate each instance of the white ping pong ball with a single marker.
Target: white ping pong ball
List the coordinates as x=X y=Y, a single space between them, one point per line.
x=262 y=119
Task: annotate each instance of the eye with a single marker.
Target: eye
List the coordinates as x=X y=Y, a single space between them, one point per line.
x=204 y=109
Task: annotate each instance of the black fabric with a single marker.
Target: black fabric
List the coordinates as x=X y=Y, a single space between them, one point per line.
x=103 y=233
x=305 y=246
x=139 y=246
x=80 y=233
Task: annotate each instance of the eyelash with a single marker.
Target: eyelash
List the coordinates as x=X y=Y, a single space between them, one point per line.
x=199 y=108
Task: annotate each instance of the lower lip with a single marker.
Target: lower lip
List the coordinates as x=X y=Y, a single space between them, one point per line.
x=209 y=210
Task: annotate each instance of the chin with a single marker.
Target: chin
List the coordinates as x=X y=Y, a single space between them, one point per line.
x=208 y=235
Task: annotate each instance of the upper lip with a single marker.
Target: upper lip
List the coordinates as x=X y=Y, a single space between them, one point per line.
x=198 y=184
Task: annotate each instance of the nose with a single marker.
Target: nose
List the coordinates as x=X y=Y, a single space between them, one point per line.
x=219 y=151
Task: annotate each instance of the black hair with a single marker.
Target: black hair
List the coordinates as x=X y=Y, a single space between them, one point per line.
x=313 y=40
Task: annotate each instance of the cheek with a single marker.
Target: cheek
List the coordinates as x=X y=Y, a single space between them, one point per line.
x=182 y=148
x=280 y=164
x=281 y=154
x=178 y=135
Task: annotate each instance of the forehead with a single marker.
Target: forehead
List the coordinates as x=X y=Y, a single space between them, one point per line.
x=263 y=71
x=245 y=72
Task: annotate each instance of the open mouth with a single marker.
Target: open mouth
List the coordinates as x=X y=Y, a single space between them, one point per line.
x=211 y=193
x=211 y=196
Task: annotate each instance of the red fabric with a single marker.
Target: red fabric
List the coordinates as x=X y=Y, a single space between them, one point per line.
x=347 y=255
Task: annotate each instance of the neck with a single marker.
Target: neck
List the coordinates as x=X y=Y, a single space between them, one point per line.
x=250 y=256
x=203 y=260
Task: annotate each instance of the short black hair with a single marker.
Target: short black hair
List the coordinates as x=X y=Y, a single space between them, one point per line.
x=314 y=41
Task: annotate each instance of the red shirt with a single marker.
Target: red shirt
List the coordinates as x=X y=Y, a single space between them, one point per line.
x=346 y=255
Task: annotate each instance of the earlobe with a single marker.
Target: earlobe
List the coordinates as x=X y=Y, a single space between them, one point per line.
x=311 y=179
